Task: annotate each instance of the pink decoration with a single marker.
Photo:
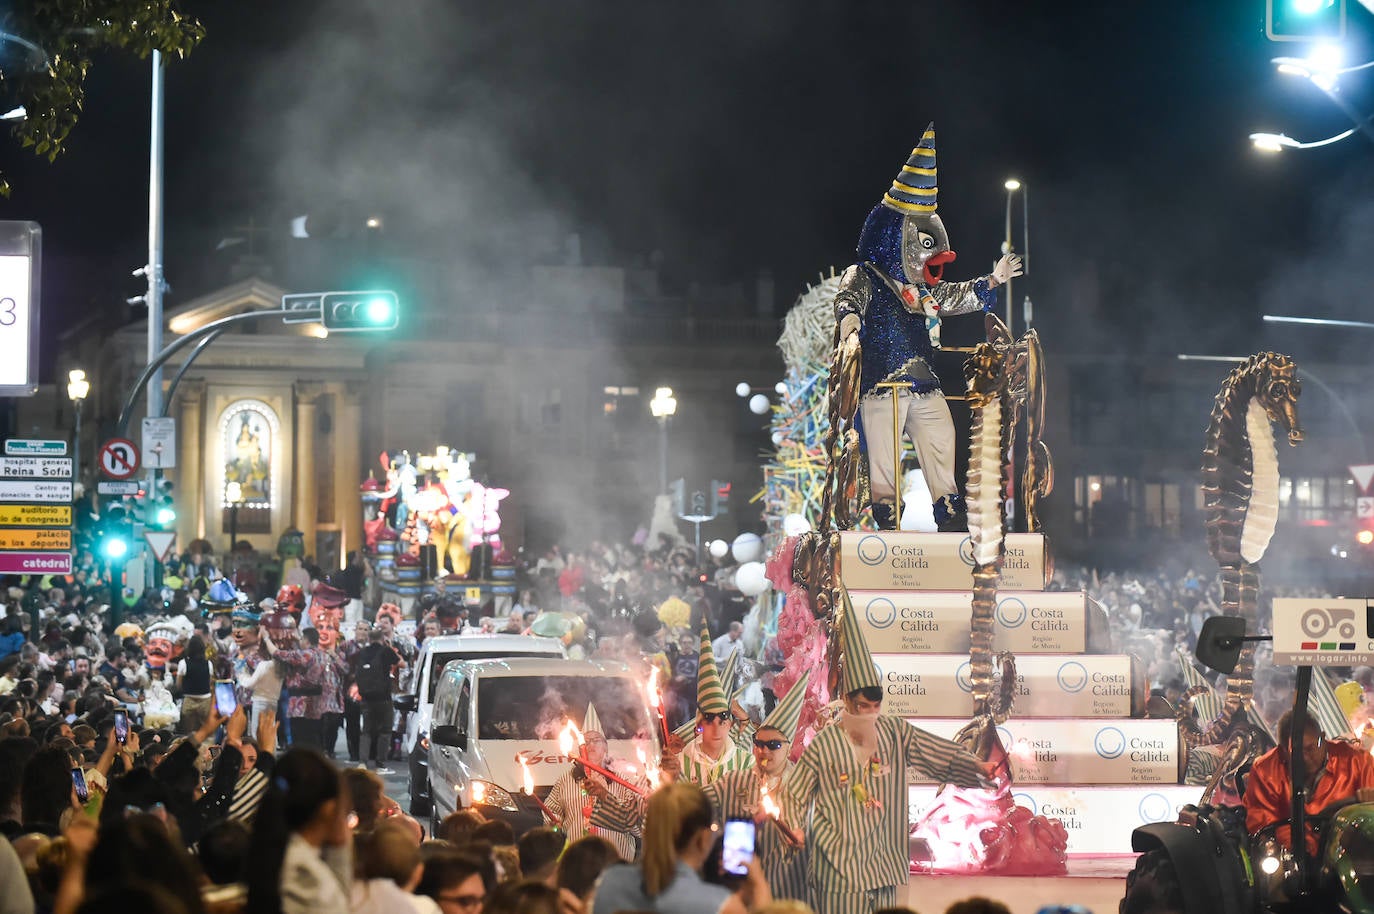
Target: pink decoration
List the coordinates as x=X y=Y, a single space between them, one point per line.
x=970 y=831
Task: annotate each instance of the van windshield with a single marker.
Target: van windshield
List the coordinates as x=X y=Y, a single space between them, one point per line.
x=536 y=707
x=442 y=660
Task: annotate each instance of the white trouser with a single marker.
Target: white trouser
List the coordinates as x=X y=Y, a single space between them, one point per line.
x=926 y=421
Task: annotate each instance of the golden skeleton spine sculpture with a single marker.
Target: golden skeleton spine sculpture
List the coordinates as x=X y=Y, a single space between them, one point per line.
x=1240 y=486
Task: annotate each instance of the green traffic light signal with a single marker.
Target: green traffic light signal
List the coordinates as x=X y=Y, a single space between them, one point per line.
x=114 y=547
x=355 y=311
x=1304 y=20
x=165 y=516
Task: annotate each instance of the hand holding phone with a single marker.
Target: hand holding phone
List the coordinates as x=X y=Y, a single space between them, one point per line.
x=225 y=699
x=121 y=727
x=738 y=847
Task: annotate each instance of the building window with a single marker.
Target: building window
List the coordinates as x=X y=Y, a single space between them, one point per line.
x=250 y=465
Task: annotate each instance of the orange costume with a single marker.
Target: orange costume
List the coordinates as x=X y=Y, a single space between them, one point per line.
x=1268 y=799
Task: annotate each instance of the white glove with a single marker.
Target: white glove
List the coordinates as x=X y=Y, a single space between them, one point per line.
x=1007 y=267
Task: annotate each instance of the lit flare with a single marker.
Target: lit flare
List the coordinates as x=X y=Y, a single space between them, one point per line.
x=770 y=808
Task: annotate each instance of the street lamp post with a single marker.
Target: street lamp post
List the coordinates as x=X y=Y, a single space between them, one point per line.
x=1323 y=69
x=1013 y=185
x=663 y=406
x=77 y=389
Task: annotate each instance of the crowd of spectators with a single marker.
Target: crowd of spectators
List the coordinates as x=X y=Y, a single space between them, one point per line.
x=195 y=810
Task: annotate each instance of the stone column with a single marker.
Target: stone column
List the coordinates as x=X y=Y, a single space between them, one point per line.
x=306 y=474
x=348 y=470
x=189 y=494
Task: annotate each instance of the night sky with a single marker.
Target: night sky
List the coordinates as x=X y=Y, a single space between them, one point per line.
x=735 y=136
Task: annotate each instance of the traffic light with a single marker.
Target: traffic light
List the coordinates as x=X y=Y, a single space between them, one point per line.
x=116 y=538
x=720 y=498
x=1304 y=20
x=162 y=512
x=350 y=311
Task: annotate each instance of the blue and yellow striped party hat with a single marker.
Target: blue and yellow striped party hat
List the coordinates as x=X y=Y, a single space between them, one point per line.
x=711 y=697
x=913 y=190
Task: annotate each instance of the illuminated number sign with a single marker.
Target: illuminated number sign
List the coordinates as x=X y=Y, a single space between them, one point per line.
x=19 y=264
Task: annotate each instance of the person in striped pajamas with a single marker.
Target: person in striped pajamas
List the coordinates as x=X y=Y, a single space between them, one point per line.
x=587 y=804
x=703 y=760
x=738 y=795
x=850 y=786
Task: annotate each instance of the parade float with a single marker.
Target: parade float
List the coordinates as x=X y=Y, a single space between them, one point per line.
x=428 y=520
x=967 y=641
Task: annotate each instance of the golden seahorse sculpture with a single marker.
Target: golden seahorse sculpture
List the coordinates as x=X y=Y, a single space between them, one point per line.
x=994 y=369
x=1026 y=389
x=1240 y=486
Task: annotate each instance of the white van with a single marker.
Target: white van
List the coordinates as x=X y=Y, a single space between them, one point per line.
x=418 y=701
x=490 y=713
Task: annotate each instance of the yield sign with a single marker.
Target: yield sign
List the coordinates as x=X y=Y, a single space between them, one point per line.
x=160 y=543
x=1363 y=474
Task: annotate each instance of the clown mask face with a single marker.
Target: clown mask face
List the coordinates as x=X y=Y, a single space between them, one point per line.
x=158 y=651
x=326 y=620
x=925 y=248
x=281 y=625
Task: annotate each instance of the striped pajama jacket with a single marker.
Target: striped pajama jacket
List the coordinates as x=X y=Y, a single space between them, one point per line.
x=735 y=795
x=702 y=770
x=855 y=814
x=617 y=817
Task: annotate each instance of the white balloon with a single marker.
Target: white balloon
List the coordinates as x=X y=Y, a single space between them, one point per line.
x=781 y=388
x=758 y=404
x=742 y=389
x=719 y=549
x=751 y=579
x=795 y=525
x=777 y=438
x=747 y=547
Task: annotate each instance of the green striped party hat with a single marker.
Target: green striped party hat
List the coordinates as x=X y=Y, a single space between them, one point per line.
x=729 y=676
x=711 y=697
x=913 y=190
x=787 y=712
x=858 y=671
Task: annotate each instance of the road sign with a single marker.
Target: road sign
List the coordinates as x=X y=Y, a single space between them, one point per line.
x=159 y=443
x=28 y=490
x=33 y=447
x=35 y=563
x=108 y=487
x=36 y=538
x=20 y=253
x=1364 y=507
x=305 y=308
x=118 y=458
x=160 y=543
x=35 y=515
x=1363 y=474
x=36 y=467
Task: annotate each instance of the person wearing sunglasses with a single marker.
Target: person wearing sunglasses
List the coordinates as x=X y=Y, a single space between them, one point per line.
x=713 y=752
x=850 y=786
x=740 y=794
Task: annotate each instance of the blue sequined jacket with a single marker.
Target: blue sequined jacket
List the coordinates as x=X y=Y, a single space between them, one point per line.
x=895 y=340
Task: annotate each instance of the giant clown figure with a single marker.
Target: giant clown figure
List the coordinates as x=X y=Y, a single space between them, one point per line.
x=888 y=310
x=326 y=613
